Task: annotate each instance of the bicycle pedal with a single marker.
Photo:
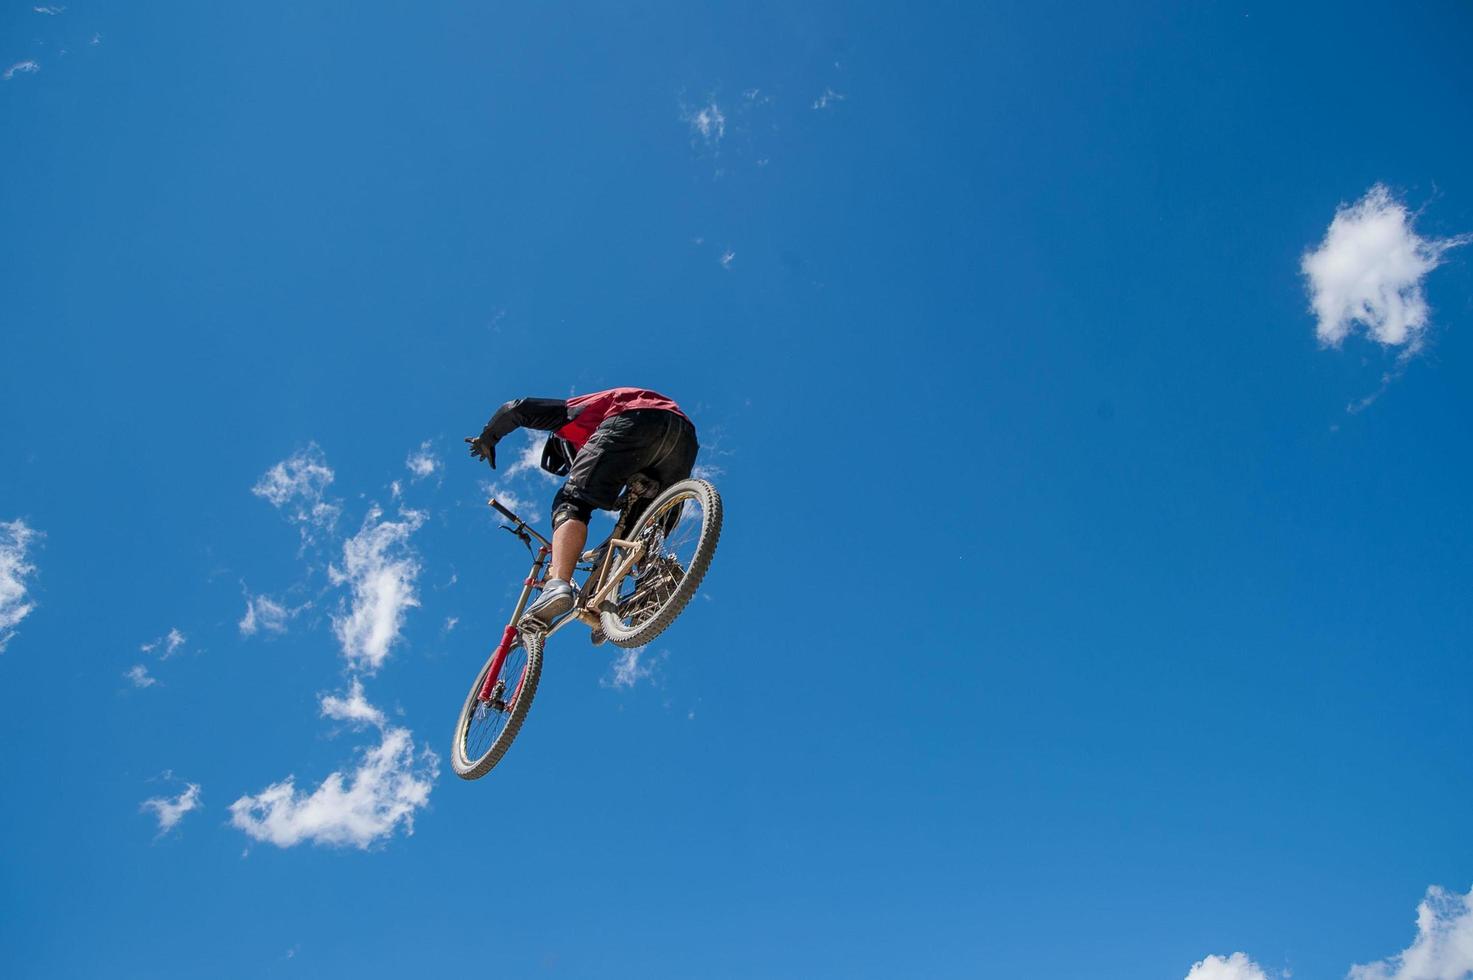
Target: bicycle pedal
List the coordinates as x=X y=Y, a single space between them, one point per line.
x=533 y=627
x=531 y=624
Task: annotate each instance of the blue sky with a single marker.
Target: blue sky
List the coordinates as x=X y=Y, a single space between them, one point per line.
x=1089 y=604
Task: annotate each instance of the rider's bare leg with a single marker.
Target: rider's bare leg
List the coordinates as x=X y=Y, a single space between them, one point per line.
x=567 y=544
x=558 y=595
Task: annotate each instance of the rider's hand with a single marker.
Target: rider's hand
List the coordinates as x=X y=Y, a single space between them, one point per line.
x=483 y=446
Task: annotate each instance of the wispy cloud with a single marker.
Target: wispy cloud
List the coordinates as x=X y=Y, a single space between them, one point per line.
x=523 y=507
x=390 y=780
x=264 y=613
x=828 y=98
x=1235 y=967
x=297 y=486
x=49 y=11
x=1443 y=949
x=167 y=645
x=727 y=258
x=353 y=708
x=529 y=459
x=381 y=572
x=521 y=478
x=712 y=449
x=26 y=67
x=1368 y=273
x=390 y=783
x=170 y=810
x=629 y=668
x=139 y=675
x=16 y=571
x=708 y=122
x=422 y=463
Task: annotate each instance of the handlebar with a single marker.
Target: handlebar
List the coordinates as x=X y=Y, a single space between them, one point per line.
x=518 y=525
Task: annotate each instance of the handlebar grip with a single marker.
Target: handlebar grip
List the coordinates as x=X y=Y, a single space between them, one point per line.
x=504 y=512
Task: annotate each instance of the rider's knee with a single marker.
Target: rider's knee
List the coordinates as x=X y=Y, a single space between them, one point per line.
x=567 y=508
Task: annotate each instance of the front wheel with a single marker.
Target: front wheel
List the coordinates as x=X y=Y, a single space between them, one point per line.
x=486 y=728
x=679 y=531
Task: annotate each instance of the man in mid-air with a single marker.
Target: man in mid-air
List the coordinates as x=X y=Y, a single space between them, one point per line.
x=598 y=442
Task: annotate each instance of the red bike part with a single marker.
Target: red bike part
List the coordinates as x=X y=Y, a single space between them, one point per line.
x=508 y=637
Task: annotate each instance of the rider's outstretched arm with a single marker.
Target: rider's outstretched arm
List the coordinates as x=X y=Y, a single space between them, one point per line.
x=548 y=414
x=533 y=413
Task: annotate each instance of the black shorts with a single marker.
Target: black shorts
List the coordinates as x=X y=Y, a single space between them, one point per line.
x=652 y=441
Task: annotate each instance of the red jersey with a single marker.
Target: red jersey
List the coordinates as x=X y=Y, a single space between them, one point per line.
x=588 y=411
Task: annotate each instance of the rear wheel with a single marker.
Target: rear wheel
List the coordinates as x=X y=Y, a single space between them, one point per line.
x=679 y=530
x=486 y=728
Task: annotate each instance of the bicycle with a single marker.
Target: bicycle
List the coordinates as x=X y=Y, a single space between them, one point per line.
x=634 y=589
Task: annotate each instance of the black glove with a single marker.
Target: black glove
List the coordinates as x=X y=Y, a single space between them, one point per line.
x=483 y=446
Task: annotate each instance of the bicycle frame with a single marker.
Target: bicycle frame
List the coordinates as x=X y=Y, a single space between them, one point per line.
x=600 y=580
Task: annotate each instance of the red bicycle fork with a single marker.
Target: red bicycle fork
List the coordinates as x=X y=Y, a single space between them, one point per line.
x=509 y=636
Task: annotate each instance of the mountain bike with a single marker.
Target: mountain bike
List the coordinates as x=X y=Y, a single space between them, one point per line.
x=636 y=584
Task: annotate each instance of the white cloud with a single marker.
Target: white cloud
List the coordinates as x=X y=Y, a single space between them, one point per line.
x=139 y=675
x=422 y=462
x=171 y=642
x=15 y=573
x=264 y=613
x=354 y=709
x=381 y=571
x=390 y=783
x=170 y=811
x=1443 y=949
x=297 y=486
x=708 y=121
x=516 y=503
x=450 y=623
x=529 y=459
x=23 y=67
x=828 y=98
x=49 y=11
x=1368 y=271
x=631 y=667
x=727 y=258
x=706 y=467
x=1235 y=967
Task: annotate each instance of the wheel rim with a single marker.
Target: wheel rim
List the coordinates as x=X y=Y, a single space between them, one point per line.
x=485 y=720
x=672 y=535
